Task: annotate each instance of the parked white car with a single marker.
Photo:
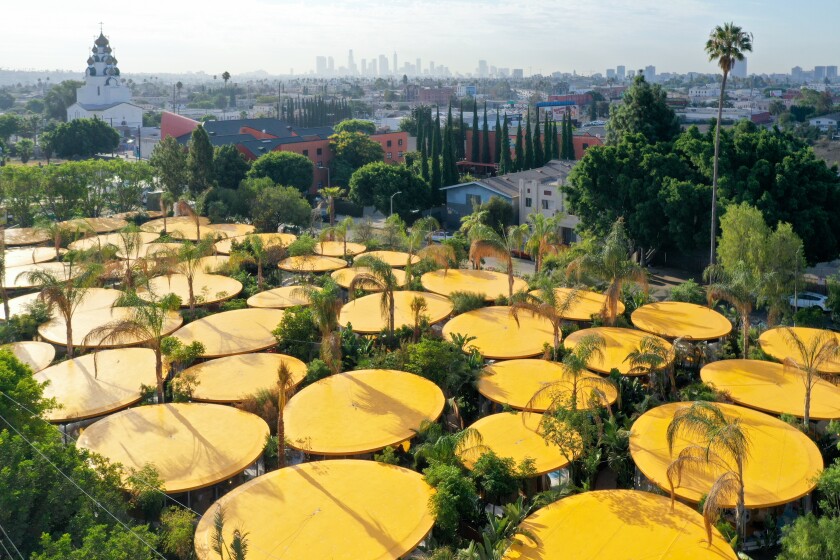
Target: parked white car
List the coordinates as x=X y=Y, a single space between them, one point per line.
x=809 y=299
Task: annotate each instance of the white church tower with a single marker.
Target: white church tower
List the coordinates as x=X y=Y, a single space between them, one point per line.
x=104 y=95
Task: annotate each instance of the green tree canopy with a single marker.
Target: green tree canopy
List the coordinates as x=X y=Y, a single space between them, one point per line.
x=200 y=161
x=373 y=185
x=84 y=138
x=284 y=168
x=229 y=167
x=352 y=150
x=273 y=205
x=643 y=110
x=169 y=161
x=59 y=97
x=355 y=125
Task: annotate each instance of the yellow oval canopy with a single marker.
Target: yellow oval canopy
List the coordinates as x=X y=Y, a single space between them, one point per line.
x=192 y=445
x=17 y=277
x=344 y=276
x=150 y=251
x=99 y=225
x=19 y=305
x=207 y=288
x=516 y=436
x=233 y=230
x=233 y=332
x=25 y=236
x=34 y=255
x=777 y=344
x=396 y=259
x=337 y=248
x=55 y=330
x=269 y=240
x=782 y=465
x=94 y=298
x=772 y=388
x=677 y=319
x=37 y=355
x=365 y=313
x=579 y=305
x=516 y=383
x=311 y=263
x=279 y=298
x=617 y=525
x=97 y=384
x=497 y=334
x=157 y=224
x=360 y=411
x=618 y=344
x=116 y=239
x=232 y=378
x=491 y=284
x=329 y=509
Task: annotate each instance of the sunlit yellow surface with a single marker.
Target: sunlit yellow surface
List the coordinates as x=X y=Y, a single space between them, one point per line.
x=268 y=239
x=175 y=222
x=99 y=383
x=344 y=276
x=365 y=313
x=337 y=248
x=516 y=382
x=677 y=319
x=37 y=355
x=360 y=411
x=232 y=378
x=579 y=305
x=116 y=239
x=497 y=334
x=617 y=525
x=618 y=343
x=213 y=263
x=773 y=388
x=233 y=332
x=151 y=250
x=17 y=278
x=396 y=259
x=94 y=298
x=515 y=435
x=775 y=342
x=233 y=230
x=782 y=465
x=25 y=236
x=207 y=288
x=311 y=263
x=21 y=257
x=491 y=284
x=98 y=225
x=279 y=298
x=192 y=445
x=55 y=330
x=330 y=509
x=19 y=305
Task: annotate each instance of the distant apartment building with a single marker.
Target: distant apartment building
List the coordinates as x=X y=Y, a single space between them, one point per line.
x=826 y=122
x=435 y=95
x=610 y=73
x=650 y=73
x=517 y=74
x=703 y=92
x=831 y=73
x=739 y=69
x=464 y=91
x=819 y=73
x=620 y=73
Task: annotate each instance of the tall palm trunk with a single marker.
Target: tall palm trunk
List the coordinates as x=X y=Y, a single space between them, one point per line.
x=391 y=313
x=192 y=295
x=159 y=375
x=741 y=510
x=715 y=170
x=807 y=416
x=69 y=327
x=259 y=274
x=745 y=332
x=281 y=437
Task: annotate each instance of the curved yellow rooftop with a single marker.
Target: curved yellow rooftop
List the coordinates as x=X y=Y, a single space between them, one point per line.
x=19 y=305
x=98 y=383
x=618 y=343
x=360 y=411
x=25 y=236
x=37 y=355
x=115 y=239
x=207 y=288
x=232 y=378
x=311 y=263
x=55 y=330
x=579 y=305
x=677 y=319
x=782 y=465
x=233 y=332
x=516 y=436
x=365 y=313
x=150 y=251
x=99 y=225
x=337 y=248
x=279 y=298
x=491 y=284
x=233 y=230
x=396 y=259
x=29 y=255
x=94 y=298
x=344 y=276
x=775 y=343
x=269 y=240
x=192 y=445
x=17 y=278
x=617 y=525
x=516 y=382
x=772 y=387
x=174 y=222
x=329 y=509
x=497 y=334
x=213 y=263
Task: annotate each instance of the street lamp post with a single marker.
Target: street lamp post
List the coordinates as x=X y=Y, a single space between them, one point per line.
x=392 y=202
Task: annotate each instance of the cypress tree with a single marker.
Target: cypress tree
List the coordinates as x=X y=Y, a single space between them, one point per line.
x=485 y=138
x=497 y=140
x=450 y=169
x=519 y=151
x=539 y=155
x=555 y=144
x=506 y=165
x=424 y=149
x=547 y=139
x=418 y=116
x=200 y=161
x=475 y=155
x=462 y=137
x=570 y=143
x=437 y=148
x=529 y=145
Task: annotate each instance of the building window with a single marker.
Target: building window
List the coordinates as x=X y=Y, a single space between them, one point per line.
x=547 y=193
x=399 y=142
x=388 y=143
x=320 y=163
x=544 y=204
x=529 y=191
x=585 y=146
x=389 y=155
x=318 y=151
x=527 y=202
x=399 y=154
x=306 y=153
x=320 y=184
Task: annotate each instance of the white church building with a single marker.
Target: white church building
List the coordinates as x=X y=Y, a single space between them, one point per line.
x=104 y=95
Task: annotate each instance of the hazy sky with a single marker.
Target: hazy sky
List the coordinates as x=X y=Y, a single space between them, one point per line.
x=279 y=35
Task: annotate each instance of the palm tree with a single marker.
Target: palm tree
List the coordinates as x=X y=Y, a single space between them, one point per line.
x=418 y=310
x=129 y=242
x=330 y=194
x=195 y=211
x=545 y=237
x=471 y=223
x=186 y=260
x=226 y=77
x=439 y=447
x=285 y=390
x=653 y=357
x=57 y=233
x=488 y=243
x=380 y=275
x=723 y=446
x=253 y=250
x=737 y=287
x=325 y=305
x=166 y=200
x=611 y=264
x=726 y=45
x=341 y=231
x=147 y=321
x=419 y=239
x=64 y=292
x=813 y=354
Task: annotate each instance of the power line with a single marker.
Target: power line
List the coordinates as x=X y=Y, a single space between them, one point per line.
x=10 y=542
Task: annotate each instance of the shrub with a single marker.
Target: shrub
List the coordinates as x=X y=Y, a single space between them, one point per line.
x=296 y=334
x=689 y=291
x=466 y=301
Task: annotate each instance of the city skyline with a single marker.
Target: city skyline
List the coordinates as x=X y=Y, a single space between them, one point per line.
x=539 y=37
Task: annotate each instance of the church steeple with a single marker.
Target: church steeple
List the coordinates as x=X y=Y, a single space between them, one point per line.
x=101 y=62
x=102 y=76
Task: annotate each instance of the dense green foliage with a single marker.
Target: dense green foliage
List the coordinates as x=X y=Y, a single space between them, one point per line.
x=284 y=168
x=83 y=138
x=352 y=150
x=373 y=185
x=643 y=111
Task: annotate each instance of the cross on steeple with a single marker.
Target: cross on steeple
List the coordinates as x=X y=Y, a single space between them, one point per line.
x=100 y=27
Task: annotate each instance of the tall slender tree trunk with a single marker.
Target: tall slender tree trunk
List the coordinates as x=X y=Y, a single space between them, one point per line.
x=69 y=327
x=806 y=419
x=281 y=437
x=745 y=319
x=391 y=312
x=192 y=294
x=715 y=171
x=259 y=274
x=159 y=375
